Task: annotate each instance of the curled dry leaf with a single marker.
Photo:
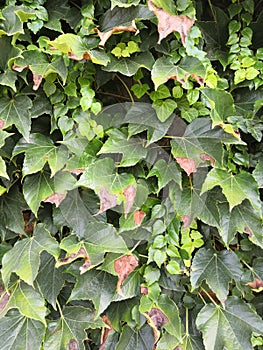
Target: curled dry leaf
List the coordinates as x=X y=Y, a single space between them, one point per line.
x=168 y=23
x=73 y=345
x=104 y=36
x=107 y=200
x=189 y=165
x=55 y=198
x=37 y=79
x=156 y=319
x=73 y=256
x=19 y=68
x=204 y=156
x=186 y=220
x=105 y=332
x=138 y=216
x=129 y=194
x=124 y=266
x=257 y=284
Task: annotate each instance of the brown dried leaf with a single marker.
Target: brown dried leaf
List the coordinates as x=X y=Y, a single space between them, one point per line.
x=129 y=194
x=186 y=220
x=168 y=23
x=105 y=332
x=204 y=156
x=256 y=284
x=86 y=56
x=138 y=216
x=73 y=256
x=55 y=198
x=189 y=165
x=73 y=345
x=104 y=36
x=19 y=68
x=29 y=224
x=156 y=319
x=37 y=81
x=124 y=266
x=107 y=200
x=4 y=300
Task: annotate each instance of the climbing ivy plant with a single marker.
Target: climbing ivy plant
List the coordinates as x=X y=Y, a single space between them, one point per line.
x=131 y=169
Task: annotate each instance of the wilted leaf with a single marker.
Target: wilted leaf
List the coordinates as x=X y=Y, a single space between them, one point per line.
x=104 y=36
x=73 y=256
x=107 y=200
x=168 y=23
x=189 y=165
x=124 y=266
x=105 y=332
x=138 y=216
x=156 y=319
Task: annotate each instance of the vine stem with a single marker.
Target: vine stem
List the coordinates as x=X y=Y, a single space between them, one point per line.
x=60 y=310
x=203 y=300
x=136 y=245
x=209 y=296
x=126 y=88
x=186 y=321
x=212 y=10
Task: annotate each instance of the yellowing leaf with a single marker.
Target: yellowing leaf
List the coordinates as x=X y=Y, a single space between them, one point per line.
x=168 y=23
x=104 y=36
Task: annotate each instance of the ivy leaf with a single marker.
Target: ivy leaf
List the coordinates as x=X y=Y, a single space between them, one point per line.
x=236 y=188
x=29 y=302
x=242 y=218
x=27 y=255
x=132 y=149
x=168 y=23
x=164 y=108
x=165 y=173
x=8 y=78
x=70 y=329
x=97 y=286
x=217 y=268
x=40 y=150
x=123 y=266
x=143 y=338
x=19 y=332
x=164 y=69
x=124 y=3
x=16 y=111
x=129 y=66
x=49 y=280
x=221 y=327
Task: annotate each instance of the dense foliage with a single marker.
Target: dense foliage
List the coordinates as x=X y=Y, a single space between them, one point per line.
x=130 y=174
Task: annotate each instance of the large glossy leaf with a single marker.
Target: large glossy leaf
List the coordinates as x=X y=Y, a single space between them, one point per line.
x=97 y=286
x=236 y=188
x=71 y=329
x=24 y=257
x=221 y=327
x=16 y=111
x=29 y=302
x=40 y=150
x=142 y=339
x=132 y=149
x=20 y=333
x=217 y=268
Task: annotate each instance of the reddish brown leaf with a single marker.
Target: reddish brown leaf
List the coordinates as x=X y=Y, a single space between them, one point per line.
x=124 y=266
x=256 y=284
x=168 y=23
x=198 y=79
x=138 y=216
x=104 y=36
x=189 y=165
x=107 y=200
x=73 y=256
x=205 y=157
x=156 y=319
x=73 y=345
x=2 y=123
x=19 y=68
x=144 y=290
x=186 y=220
x=37 y=81
x=29 y=224
x=105 y=332
x=4 y=300
x=129 y=194
x=55 y=198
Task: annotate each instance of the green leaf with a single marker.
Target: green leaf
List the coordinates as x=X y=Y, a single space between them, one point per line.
x=143 y=338
x=220 y=102
x=236 y=188
x=16 y=111
x=164 y=69
x=124 y=3
x=129 y=66
x=221 y=327
x=8 y=53
x=39 y=150
x=49 y=279
x=3 y=172
x=8 y=78
x=217 y=268
x=19 y=332
x=29 y=303
x=164 y=108
x=71 y=327
x=139 y=90
x=132 y=149
x=257 y=173
x=27 y=255
x=97 y=286
x=165 y=173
